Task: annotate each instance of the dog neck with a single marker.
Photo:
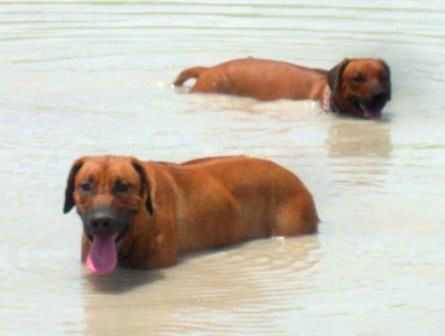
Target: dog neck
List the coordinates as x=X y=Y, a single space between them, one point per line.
x=328 y=103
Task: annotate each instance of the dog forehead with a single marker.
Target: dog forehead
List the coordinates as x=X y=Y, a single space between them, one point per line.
x=370 y=67
x=108 y=169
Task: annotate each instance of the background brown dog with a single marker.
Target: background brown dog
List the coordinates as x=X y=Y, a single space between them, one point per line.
x=359 y=87
x=145 y=214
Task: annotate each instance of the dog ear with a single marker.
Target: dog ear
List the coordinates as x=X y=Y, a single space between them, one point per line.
x=388 y=71
x=69 y=200
x=334 y=75
x=145 y=185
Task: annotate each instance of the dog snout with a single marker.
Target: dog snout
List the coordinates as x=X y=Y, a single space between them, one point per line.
x=103 y=222
x=379 y=95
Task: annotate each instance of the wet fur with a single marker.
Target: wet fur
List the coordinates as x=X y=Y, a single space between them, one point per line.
x=201 y=204
x=270 y=80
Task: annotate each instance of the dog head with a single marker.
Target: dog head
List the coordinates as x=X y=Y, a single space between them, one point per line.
x=108 y=192
x=361 y=87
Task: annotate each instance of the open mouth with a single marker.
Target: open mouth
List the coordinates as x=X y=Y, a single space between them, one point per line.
x=102 y=258
x=369 y=108
x=371 y=112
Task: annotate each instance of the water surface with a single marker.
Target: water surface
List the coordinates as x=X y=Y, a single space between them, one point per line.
x=94 y=77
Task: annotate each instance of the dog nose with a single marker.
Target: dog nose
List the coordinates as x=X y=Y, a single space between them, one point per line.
x=102 y=224
x=379 y=94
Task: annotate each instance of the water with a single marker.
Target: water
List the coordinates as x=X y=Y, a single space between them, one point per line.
x=93 y=78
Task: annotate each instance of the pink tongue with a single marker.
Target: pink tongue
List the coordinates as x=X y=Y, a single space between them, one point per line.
x=371 y=114
x=103 y=256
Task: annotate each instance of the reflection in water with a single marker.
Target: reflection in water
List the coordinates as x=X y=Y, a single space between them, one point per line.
x=209 y=292
x=122 y=280
x=352 y=138
x=361 y=151
x=242 y=107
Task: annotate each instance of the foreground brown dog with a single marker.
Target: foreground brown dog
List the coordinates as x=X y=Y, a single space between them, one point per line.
x=145 y=214
x=359 y=87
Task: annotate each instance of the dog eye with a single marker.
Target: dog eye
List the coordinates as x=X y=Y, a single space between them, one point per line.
x=85 y=187
x=121 y=188
x=359 y=78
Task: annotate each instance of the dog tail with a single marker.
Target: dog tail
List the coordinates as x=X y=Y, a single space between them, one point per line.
x=187 y=74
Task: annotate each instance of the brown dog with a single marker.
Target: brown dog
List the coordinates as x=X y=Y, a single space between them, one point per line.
x=145 y=214
x=359 y=87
